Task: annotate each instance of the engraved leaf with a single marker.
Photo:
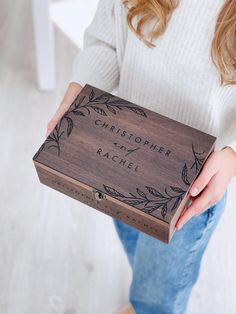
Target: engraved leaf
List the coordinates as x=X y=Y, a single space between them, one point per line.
x=55 y=146
x=201 y=160
x=198 y=153
x=102 y=98
x=50 y=138
x=39 y=151
x=74 y=101
x=141 y=193
x=69 y=125
x=77 y=104
x=111 y=109
x=119 y=107
x=119 y=102
x=151 y=208
x=164 y=210
x=91 y=95
x=185 y=175
x=177 y=189
x=100 y=111
x=78 y=113
x=137 y=110
x=112 y=191
x=53 y=136
x=154 y=192
x=61 y=134
x=132 y=202
x=176 y=203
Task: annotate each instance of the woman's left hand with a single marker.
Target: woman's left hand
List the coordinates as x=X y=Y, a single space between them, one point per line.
x=212 y=183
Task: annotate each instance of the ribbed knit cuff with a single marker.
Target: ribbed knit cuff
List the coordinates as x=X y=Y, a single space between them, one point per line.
x=97 y=64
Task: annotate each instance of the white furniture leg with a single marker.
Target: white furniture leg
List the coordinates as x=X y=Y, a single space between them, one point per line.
x=44 y=44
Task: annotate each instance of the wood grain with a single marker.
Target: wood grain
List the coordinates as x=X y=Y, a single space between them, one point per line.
x=59 y=255
x=139 y=158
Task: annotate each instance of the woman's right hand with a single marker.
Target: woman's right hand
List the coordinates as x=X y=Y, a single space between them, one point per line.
x=71 y=93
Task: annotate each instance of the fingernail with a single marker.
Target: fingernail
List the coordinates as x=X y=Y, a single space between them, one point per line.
x=194 y=191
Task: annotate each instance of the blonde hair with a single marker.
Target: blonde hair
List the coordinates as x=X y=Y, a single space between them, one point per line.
x=223 y=46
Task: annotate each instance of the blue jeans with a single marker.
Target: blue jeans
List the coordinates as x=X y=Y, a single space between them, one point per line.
x=164 y=274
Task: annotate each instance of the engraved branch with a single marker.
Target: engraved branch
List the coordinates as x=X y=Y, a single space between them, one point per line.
x=99 y=104
x=164 y=202
x=102 y=102
x=152 y=201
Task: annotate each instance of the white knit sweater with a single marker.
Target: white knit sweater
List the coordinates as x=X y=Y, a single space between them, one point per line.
x=177 y=78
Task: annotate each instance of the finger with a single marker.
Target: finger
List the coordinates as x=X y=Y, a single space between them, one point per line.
x=56 y=118
x=208 y=171
x=210 y=196
x=51 y=125
x=70 y=96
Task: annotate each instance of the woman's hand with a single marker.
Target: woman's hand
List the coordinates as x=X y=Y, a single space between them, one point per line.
x=212 y=183
x=72 y=91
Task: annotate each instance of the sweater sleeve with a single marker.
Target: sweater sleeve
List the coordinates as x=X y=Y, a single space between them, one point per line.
x=96 y=64
x=228 y=133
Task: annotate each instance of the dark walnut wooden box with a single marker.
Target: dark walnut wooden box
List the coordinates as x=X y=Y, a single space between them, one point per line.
x=124 y=160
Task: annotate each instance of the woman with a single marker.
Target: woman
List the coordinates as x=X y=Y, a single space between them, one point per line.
x=178 y=58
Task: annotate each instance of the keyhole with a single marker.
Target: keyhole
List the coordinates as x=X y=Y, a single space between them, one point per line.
x=98 y=195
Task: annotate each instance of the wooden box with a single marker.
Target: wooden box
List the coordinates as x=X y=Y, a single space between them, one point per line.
x=124 y=160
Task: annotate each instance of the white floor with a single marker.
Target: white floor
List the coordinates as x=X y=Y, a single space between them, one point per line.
x=58 y=255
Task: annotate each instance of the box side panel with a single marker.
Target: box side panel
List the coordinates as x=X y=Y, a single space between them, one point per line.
x=181 y=209
x=108 y=205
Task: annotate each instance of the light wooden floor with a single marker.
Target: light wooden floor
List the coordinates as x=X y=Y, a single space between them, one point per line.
x=58 y=255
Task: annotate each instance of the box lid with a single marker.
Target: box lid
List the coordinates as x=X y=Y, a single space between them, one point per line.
x=129 y=152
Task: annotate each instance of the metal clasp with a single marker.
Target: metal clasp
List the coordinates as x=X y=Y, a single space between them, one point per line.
x=98 y=195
